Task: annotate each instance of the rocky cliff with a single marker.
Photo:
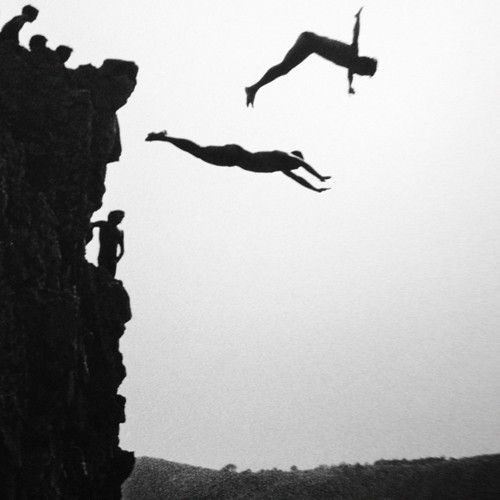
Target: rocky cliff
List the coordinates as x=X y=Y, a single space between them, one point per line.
x=61 y=318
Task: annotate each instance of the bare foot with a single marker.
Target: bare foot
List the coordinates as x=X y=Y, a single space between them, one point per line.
x=250 y=96
x=325 y=178
x=320 y=190
x=156 y=136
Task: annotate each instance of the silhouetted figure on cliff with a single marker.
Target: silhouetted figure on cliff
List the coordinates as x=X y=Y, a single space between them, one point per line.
x=11 y=29
x=38 y=42
x=41 y=55
x=110 y=238
x=308 y=43
x=233 y=155
x=63 y=53
x=38 y=47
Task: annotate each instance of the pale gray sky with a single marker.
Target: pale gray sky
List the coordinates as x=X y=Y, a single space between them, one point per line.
x=274 y=325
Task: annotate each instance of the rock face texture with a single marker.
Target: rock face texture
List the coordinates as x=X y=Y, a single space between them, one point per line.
x=61 y=318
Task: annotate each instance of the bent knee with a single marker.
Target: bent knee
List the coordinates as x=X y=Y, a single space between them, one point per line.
x=307 y=36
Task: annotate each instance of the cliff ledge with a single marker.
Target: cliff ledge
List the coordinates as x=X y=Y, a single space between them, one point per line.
x=61 y=318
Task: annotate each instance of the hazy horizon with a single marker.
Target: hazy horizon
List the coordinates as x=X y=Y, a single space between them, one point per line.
x=274 y=326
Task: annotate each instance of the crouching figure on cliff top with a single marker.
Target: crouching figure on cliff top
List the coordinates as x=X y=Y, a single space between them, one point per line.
x=11 y=29
x=233 y=155
x=43 y=54
x=64 y=53
x=110 y=238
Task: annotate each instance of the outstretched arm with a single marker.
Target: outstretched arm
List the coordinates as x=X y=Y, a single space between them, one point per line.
x=312 y=171
x=11 y=29
x=303 y=182
x=355 y=47
x=90 y=234
x=355 y=34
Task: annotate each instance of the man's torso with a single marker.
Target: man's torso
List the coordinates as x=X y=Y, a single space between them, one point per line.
x=109 y=238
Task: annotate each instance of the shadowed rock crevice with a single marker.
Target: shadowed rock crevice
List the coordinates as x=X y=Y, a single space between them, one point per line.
x=61 y=318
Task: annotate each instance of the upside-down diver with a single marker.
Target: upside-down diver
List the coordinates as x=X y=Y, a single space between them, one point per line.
x=337 y=52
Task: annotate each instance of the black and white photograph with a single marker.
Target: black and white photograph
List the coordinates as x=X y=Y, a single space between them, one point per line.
x=249 y=250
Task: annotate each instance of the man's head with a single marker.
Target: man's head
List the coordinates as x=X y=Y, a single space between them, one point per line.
x=37 y=42
x=64 y=53
x=116 y=216
x=366 y=66
x=30 y=13
x=298 y=153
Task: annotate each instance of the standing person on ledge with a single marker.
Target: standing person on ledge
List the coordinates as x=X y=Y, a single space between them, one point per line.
x=233 y=155
x=308 y=43
x=11 y=29
x=110 y=238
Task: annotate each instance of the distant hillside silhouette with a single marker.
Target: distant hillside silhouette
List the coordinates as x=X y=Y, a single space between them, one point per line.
x=474 y=478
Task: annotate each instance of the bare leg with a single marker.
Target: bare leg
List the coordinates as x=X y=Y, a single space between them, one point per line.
x=223 y=156
x=184 y=144
x=303 y=47
x=311 y=170
x=303 y=182
x=188 y=146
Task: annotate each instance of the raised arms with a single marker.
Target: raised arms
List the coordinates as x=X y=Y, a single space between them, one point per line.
x=355 y=34
x=355 y=48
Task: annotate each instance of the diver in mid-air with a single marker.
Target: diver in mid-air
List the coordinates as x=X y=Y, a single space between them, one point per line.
x=232 y=155
x=337 y=52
